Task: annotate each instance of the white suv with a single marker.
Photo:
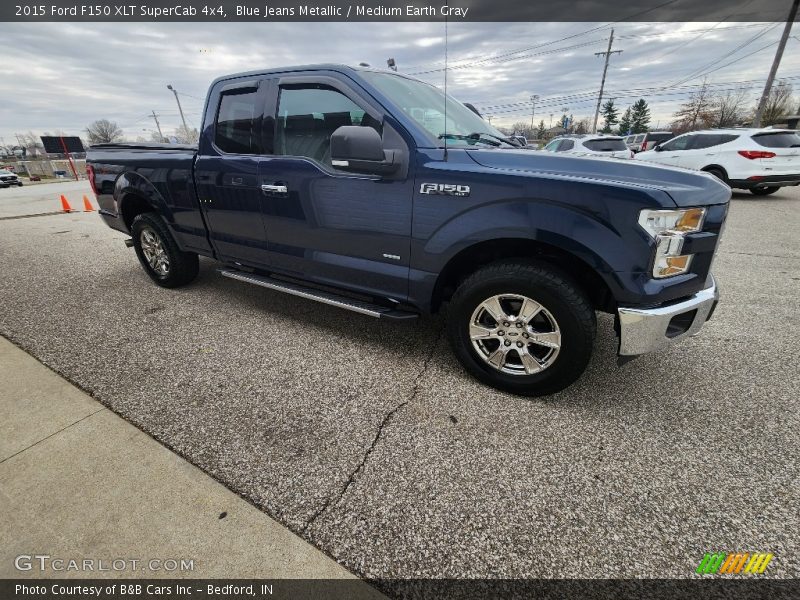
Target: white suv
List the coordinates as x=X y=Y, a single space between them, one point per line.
x=759 y=160
x=590 y=145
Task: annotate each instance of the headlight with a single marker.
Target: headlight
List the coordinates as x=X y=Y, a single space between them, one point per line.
x=669 y=228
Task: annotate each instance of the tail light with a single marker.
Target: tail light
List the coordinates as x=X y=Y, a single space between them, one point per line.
x=754 y=154
x=90 y=175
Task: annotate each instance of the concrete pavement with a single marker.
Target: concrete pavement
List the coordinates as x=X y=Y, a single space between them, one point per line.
x=78 y=482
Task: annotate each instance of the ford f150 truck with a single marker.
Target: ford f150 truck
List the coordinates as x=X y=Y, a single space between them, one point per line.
x=374 y=192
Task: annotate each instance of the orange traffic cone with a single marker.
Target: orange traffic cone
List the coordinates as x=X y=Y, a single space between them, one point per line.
x=65 y=205
x=87 y=206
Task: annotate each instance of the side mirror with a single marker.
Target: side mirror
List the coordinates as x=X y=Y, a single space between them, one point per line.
x=360 y=149
x=657 y=148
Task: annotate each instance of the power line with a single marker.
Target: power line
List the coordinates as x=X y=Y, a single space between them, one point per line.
x=694 y=73
x=550 y=43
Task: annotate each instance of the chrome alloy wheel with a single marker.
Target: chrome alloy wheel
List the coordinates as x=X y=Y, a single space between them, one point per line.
x=515 y=334
x=154 y=253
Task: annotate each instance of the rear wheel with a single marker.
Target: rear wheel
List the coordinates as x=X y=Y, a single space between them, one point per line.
x=522 y=327
x=765 y=191
x=159 y=254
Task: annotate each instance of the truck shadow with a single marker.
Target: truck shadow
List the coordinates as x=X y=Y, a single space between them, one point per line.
x=423 y=342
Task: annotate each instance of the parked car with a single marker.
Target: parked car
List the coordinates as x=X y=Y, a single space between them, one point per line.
x=759 y=160
x=590 y=145
x=7 y=179
x=348 y=187
x=634 y=142
x=651 y=139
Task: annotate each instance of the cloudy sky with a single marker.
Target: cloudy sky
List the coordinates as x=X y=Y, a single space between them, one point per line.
x=62 y=76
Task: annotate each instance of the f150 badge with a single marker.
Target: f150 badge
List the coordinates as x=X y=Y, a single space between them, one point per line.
x=444 y=189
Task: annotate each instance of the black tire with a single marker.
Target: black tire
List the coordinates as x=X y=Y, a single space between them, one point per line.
x=719 y=174
x=563 y=301
x=182 y=267
x=765 y=191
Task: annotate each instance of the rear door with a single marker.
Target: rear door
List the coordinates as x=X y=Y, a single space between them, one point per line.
x=327 y=225
x=226 y=171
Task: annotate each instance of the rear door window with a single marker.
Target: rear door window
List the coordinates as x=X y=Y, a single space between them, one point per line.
x=605 y=145
x=237 y=129
x=779 y=139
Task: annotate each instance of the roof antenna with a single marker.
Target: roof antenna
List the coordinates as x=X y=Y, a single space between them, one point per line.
x=445 y=81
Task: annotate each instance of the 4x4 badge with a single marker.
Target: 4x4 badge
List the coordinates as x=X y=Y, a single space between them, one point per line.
x=444 y=189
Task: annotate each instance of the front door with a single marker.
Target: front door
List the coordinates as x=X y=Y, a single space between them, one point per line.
x=325 y=225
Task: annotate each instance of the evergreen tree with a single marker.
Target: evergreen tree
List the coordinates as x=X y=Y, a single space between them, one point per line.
x=610 y=115
x=542 y=131
x=625 y=122
x=640 y=116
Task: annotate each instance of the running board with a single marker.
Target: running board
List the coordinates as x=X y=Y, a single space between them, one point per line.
x=359 y=306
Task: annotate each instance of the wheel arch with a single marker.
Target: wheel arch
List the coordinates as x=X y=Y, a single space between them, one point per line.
x=716 y=167
x=479 y=254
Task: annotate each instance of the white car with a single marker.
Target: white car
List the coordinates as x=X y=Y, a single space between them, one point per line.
x=590 y=145
x=759 y=160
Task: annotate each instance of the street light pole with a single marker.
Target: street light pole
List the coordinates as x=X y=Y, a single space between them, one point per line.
x=180 y=109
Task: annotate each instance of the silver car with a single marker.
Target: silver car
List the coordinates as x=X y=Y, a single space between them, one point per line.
x=591 y=145
x=7 y=179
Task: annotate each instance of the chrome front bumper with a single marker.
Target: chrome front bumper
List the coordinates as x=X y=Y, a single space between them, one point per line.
x=643 y=330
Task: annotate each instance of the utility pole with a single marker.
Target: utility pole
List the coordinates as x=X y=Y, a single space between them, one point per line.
x=158 y=126
x=534 y=98
x=775 y=64
x=607 y=54
x=180 y=110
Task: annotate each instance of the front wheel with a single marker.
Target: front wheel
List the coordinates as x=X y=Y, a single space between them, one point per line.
x=159 y=254
x=522 y=327
x=765 y=191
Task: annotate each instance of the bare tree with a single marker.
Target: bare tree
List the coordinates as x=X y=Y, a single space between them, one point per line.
x=778 y=105
x=187 y=135
x=697 y=111
x=31 y=143
x=729 y=110
x=104 y=131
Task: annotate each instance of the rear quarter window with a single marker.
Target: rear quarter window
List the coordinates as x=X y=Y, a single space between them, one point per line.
x=236 y=129
x=781 y=139
x=601 y=145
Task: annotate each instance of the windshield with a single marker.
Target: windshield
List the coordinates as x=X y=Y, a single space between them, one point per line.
x=426 y=105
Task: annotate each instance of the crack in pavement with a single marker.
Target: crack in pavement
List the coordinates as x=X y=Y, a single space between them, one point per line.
x=384 y=422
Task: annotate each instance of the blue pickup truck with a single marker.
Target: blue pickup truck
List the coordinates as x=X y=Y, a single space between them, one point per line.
x=374 y=192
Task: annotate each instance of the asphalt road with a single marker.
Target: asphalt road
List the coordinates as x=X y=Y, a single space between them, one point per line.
x=42 y=198
x=369 y=440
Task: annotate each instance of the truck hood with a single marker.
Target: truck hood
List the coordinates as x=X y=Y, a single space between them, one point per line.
x=685 y=187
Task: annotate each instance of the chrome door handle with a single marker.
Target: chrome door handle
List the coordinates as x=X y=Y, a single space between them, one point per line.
x=274 y=189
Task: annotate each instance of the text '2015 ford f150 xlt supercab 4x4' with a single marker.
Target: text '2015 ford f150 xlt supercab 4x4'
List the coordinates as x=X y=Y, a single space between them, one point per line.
x=373 y=191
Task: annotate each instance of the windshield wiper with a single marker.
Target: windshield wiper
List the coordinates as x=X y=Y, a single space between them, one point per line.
x=485 y=138
x=509 y=141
